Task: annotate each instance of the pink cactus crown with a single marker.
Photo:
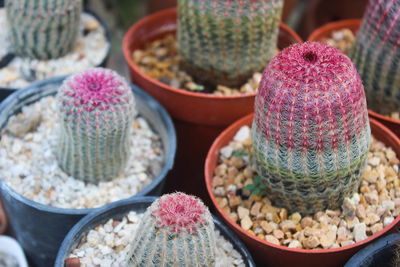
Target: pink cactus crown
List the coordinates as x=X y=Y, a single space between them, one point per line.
x=95 y=88
x=180 y=211
x=308 y=85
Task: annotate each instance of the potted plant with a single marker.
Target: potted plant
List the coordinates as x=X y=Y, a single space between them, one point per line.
x=166 y=223
x=99 y=140
x=203 y=115
x=376 y=22
x=56 y=39
x=297 y=185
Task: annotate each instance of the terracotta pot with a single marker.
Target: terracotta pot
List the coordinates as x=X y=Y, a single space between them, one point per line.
x=268 y=254
x=320 y=12
x=353 y=24
x=3 y=219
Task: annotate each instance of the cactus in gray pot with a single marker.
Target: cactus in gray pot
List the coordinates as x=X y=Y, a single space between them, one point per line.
x=96 y=112
x=176 y=230
x=43 y=29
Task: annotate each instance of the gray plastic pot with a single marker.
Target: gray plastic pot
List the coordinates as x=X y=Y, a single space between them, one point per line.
x=40 y=229
x=119 y=209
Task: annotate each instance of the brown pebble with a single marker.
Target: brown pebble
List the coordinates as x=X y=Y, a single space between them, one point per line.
x=278 y=234
x=311 y=242
x=115 y=223
x=306 y=221
x=72 y=262
x=272 y=239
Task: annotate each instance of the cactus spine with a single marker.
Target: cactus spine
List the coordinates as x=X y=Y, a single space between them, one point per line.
x=96 y=111
x=43 y=29
x=311 y=131
x=176 y=230
x=376 y=53
x=225 y=42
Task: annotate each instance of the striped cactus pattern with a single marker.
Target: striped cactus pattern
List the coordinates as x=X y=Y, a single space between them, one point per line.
x=96 y=111
x=226 y=41
x=311 y=131
x=376 y=53
x=43 y=29
x=176 y=230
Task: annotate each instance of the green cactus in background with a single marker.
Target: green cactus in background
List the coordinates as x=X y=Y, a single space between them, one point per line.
x=176 y=230
x=376 y=53
x=43 y=29
x=225 y=42
x=311 y=131
x=96 y=111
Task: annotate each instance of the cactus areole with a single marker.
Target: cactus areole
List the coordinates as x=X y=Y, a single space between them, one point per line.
x=311 y=131
x=96 y=111
x=176 y=230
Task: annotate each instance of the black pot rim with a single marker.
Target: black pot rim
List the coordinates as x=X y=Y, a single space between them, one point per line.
x=108 y=38
x=168 y=163
x=224 y=230
x=372 y=249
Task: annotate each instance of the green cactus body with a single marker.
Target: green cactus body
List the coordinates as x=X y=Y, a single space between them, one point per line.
x=376 y=53
x=311 y=131
x=176 y=230
x=43 y=29
x=225 y=42
x=96 y=111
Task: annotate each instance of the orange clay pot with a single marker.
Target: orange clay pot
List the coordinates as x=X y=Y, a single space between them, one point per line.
x=353 y=24
x=268 y=254
x=198 y=117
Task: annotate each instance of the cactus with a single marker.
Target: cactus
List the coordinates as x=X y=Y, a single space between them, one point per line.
x=225 y=42
x=176 y=230
x=96 y=112
x=376 y=54
x=311 y=131
x=43 y=29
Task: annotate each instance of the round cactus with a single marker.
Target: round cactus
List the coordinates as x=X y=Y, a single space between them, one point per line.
x=96 y=111
x=225 y=42
x=176 y=230
x=311 y=131
x=43 y=29
x=376 y=54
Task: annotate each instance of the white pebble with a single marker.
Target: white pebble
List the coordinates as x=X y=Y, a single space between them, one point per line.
x=359 y=232
x=242 y=134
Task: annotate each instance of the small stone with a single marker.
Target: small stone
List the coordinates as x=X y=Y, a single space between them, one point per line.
x=306 y=222
x=92 y=24
x=227 y=151
x=372 y=198
x=288 y=225
x=283 y=214
x=387 y=221
x=268 y=227
x=295 y=244
x=376 y=228
x=242 y=212
x=372 y=219
x=388 y=205
x=360 y=211
x=242 y=134
x=272 y=239
x=296 y=217
x=234 y=200
x=328 y=239
x=278 y=234
x=347 y=243
x=311 y=242
x=255 y=209
x=246 y=223
x=371 y=176
x=374 y=161
x=359 y=232
x=72 y=262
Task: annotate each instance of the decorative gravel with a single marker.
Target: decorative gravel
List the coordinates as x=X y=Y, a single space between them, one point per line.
x=367 y=212
x=7 y=260
x=160 y=60
x=29 y=166
x=109 y=245
x=90 y=50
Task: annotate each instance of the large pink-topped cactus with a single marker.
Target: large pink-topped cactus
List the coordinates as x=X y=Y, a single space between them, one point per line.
x=311 y=130
x=96 y=110
x=176 y=230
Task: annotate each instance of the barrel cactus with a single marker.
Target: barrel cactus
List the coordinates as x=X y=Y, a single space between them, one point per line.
x=43 y=29
x=376 y=53
x=311 y=131
x=225 y=42
x=176 y=230
x=96 y=112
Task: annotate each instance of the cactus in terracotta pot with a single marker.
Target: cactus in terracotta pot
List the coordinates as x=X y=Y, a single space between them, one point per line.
x=176 y=230
x=225 y=42
x=311 y=131
x=376 y=53
x=96 y=112
x=43 y=29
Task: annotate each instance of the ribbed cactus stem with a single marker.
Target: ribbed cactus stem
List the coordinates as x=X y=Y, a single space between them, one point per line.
x=96 y=112
x=43 y=29
x=311 y=131
x=376 y=54
x=176 y=230
x=226 y=41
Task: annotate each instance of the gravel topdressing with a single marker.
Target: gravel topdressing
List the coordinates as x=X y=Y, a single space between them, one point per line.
x=367 y=212
x=29 y=166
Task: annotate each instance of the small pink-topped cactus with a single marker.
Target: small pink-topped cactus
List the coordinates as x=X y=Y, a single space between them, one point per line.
x=311 y=131
x=96 y=110
x=174 y=229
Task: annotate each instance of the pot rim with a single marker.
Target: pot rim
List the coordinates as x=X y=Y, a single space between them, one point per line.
x=167 y=165
x=225 y=231
x=171 y=12
x=214 y=152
